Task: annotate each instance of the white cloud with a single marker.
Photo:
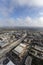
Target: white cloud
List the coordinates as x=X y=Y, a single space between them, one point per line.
x=30 y=2
x=40 y=21
x=6 y=9
x=41 y=13
x=7 y=6
x=27 y=21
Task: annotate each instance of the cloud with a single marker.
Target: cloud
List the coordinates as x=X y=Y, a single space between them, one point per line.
x=7 y=7
x=41 y=13
x=30 y=2
x=27 y=21
x=30 y=22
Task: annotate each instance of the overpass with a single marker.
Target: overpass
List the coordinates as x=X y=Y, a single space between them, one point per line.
x=6 y=49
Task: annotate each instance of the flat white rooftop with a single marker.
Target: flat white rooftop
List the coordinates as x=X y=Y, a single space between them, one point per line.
x=19 y=48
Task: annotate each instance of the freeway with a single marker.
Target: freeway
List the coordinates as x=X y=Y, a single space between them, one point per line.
x=6 y=49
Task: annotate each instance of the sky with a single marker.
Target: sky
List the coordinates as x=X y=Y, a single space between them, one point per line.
x=28 y=13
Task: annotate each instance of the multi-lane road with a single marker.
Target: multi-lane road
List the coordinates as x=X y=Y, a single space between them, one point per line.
x=6 y=49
